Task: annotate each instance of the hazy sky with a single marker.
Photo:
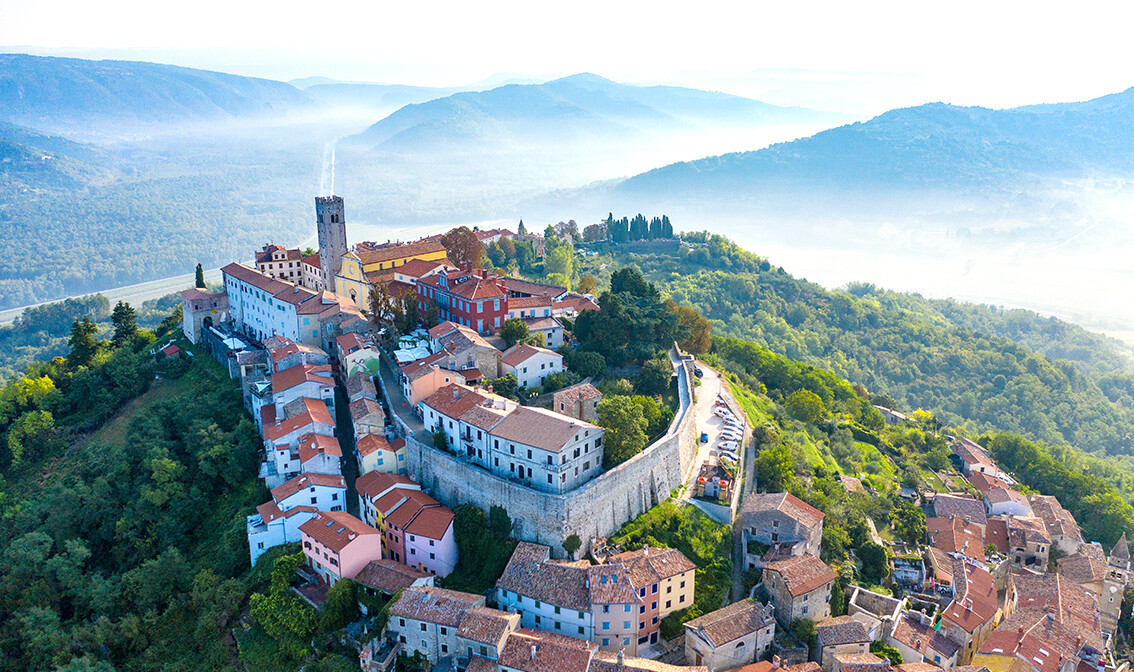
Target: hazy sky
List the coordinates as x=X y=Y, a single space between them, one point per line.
x=868 y=56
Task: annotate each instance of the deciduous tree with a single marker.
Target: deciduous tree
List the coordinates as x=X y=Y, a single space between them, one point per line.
x=463 y=247
x=625 y=427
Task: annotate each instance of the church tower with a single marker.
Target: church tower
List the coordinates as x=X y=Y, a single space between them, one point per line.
x=330 y=221
x=1114 y=585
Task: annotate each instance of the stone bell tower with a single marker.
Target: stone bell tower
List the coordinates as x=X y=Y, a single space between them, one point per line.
x=330 y=221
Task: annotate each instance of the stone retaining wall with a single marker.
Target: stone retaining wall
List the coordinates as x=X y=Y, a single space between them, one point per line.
x=598 y=508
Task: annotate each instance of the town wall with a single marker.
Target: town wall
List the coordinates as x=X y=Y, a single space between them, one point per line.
x=597 y=508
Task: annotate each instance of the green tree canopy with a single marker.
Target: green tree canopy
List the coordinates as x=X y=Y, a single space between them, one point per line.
x=625 y=427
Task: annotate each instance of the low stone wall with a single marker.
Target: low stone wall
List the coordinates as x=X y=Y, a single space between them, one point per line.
x=598 y=508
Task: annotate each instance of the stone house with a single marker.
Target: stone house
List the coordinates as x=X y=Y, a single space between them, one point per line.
x=917 y=640
x=779 y=519
x=367 y=417
x=578 y=401
x=800 y=587
x=425 y=619
x=730 y=637
x=841 y=635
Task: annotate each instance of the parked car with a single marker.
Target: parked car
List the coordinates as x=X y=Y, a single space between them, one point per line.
x=698 y=372
x=732 y=436
x=727 y=445
x=725 y=455
x=704 y=437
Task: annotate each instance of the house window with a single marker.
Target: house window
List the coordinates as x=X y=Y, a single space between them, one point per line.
x=444 y=648
x=605 y=626
x=314 y=500
x=444 y=630
x=423 y=627
x=625 y=625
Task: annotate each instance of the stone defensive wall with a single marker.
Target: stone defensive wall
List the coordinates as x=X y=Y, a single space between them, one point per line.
x=599 y=507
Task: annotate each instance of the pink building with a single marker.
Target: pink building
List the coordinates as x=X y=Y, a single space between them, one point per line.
x=417 y=530
x=338 y=545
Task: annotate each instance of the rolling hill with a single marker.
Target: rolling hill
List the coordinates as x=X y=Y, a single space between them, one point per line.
x=934 y=145
x=70 y=94
x=571 y=109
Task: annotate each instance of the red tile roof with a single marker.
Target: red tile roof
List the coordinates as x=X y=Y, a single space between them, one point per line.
x=336 y=529
x=314 y=412
x=540 y=428
x=974 y=602
x=454 y=400
x=297 y=375
x=533 y=651
x=730 y=623
x=526 y=302
x=468 y=286
x=372 y=442
x=312 y=445
x=522 y=352
x=374 y=483
x=431 y=522
x=270 y=511
x=417 y=268
x=434 y=605
x=388 y=576
x=955 y=535
x=382 y=254
x=802 y=573
x=487 y=626
x=303 y=481
x=787 y=504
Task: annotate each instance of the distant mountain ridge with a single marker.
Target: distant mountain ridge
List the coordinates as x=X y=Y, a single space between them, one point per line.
x=53 y=94
x=580 y=106
x=929 y=145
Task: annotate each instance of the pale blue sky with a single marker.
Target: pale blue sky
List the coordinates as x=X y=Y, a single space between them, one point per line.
x=864 y=55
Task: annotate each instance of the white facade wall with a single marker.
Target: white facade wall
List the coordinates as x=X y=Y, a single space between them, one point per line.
x=283 y=530
x=308 y=389
x=438 y=555
x=258 y=313
x=535 y=369
x=322 y=464
x=322 y=497
x=537 y=615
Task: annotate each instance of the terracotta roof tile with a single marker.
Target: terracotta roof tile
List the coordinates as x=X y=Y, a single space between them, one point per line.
x=910 y=631
x=955 y=535
x=487 y=626
x=435 y=605
x=285 y=490
x=372 y=442
x=540 y=428
x=431 y=522
x=454 y=400
x=297 y=375
x=386 y=253
x=840 y=630
x=336 y=529
x=522 y=352
x=532 y=651
x=786 y=503
x=861 y=662
x=375 y=483
x=802 y=573
x=607 y=661
x=730 y=623
x=947 y=506
x=388 y=576
x=311 y=445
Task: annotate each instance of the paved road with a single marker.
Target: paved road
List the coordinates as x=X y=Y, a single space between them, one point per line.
x=132 y=294
x=706 y=422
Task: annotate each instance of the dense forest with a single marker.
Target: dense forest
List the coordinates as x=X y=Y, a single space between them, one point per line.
x=972 y=365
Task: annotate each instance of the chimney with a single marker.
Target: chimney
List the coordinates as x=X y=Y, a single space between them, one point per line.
x=776 y=661
x=620 y=656
x=534 y=647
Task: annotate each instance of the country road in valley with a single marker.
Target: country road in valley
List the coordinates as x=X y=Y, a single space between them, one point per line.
x=132 y=294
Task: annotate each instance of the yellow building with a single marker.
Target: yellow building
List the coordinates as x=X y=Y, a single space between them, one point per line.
x=366 y=265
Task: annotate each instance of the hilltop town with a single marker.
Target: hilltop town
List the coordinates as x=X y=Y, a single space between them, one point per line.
x=395 y=383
